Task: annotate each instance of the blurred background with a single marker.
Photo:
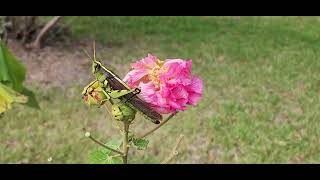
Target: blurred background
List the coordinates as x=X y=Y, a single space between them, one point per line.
x=261 y=87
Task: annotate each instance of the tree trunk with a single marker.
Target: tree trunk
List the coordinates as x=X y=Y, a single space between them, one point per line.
x=37 y=42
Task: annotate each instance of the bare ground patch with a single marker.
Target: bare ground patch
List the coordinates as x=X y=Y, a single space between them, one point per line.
x=59 y=65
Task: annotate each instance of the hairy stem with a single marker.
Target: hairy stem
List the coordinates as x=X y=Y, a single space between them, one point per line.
x=105 y=105
x=125 y=142
x=158 y=126
x=174 y=151
x=105 y=146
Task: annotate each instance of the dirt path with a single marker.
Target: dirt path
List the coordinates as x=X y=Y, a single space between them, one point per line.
x=54 y=66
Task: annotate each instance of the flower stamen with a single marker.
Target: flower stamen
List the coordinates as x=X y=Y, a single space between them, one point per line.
x=154 y=73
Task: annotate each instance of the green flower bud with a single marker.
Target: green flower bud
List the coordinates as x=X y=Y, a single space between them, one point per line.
x=87 y=134
x=95 y=95
x=123 y=112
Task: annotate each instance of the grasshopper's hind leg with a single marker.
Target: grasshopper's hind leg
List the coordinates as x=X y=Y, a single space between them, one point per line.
x=116 y=94
x=135 y=92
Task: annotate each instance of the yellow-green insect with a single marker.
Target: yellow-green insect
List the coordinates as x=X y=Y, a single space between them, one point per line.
x=109 y=87
x=96 y=93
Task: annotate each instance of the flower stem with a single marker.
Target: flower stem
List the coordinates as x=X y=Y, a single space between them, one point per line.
x=174 y=151
x=125 y=142
x=157 y=127
x=105 y=146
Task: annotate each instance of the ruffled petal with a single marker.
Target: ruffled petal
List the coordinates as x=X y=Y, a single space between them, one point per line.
x=134 y=77
x=196 y=85
x=194 y=98
x=168 y=86
x=179 y=93
x=145 y=63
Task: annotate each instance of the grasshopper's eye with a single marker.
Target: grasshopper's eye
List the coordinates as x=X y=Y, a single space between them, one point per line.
x=97 y=67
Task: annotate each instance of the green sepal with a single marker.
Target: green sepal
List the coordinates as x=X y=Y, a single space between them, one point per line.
x=123 y=112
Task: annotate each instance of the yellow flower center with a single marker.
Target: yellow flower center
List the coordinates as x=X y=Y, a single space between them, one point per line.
x=155 y=72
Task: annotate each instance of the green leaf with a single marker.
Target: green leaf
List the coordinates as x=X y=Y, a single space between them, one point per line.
x=104 y=156
x=140 y=144
x=12 y=72
x=115 y=144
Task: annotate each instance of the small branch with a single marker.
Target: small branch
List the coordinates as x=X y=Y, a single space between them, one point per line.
x=125 y=142
x=44 y=30
x=174 y=151
x=159 y=125
x=101 y=144
x=105 y=105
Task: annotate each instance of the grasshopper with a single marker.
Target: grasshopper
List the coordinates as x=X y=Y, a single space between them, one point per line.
x=107 y=86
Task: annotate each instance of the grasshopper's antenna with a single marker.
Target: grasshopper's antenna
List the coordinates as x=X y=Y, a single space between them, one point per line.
x=86 y=52
x=94 y=51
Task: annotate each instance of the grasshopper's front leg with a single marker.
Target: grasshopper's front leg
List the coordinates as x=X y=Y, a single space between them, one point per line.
x=87 y=88
x=116 y=94
x=121 y=111
x=94 y=94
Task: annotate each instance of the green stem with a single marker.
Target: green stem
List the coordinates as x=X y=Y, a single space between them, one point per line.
x=159 y=125
x=125 y=142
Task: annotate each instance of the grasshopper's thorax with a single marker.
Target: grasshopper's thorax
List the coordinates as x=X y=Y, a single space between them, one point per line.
x=94 y=68
x=100 y=76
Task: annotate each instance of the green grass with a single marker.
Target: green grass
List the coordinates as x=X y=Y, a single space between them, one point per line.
x=261 y=97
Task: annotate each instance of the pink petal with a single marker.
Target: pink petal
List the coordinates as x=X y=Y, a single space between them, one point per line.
x=149 y=61
x=189 y=65
x=178 y=71
x=164 y=110
x=179 y=93
x=196 y=85
x=148 y=92
x=194 y=98
x=172 y=70
x=174 y=104
x=178 y=87
x=165 y=90
x=134 y=77
x=182 y=101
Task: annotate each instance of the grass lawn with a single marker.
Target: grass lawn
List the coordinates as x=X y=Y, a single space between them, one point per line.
x=260 y=105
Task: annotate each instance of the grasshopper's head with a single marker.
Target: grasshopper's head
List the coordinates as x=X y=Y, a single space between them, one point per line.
x=96 y=65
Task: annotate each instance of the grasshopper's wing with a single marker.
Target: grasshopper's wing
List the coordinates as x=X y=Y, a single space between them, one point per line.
x=117 y=84
x=146 y=109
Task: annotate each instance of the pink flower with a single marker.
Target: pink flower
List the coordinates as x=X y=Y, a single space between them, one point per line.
x=168 y=85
